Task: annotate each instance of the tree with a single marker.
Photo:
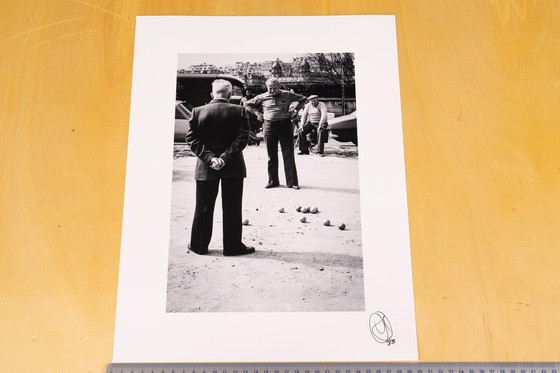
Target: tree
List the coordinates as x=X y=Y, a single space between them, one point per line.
x=338 y=68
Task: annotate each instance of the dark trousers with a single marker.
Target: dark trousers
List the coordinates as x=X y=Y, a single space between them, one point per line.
x=280 y=132
x=316 y=133
x=206 y=193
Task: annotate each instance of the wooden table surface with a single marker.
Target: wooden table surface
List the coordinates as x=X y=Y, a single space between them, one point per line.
x=480 y=87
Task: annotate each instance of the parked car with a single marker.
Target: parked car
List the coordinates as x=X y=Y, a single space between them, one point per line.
x=183 y=112
x=194 y=90
x=344 y=128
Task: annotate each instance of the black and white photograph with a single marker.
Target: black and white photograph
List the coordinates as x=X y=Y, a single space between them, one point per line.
x=278 y=227
x=259 y=209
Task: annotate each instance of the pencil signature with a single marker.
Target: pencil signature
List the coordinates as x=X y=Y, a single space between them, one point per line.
x=380 y=328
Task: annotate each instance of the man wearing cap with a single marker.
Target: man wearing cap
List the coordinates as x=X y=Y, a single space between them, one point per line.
x=314 y=117
x=274 y=107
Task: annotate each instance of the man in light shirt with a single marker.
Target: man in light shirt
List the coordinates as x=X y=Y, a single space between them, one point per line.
x=314 y=118
x=273 y=107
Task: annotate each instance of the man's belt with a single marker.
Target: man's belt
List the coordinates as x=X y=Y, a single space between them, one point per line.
x=278 y=120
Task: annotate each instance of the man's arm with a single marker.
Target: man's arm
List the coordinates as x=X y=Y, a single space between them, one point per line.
x=323 y=110
x=254 y=106
x=240 y=141
x=194 y=142
x=301 y=100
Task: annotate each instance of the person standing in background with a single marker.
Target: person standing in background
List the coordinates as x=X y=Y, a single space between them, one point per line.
x=254 y=123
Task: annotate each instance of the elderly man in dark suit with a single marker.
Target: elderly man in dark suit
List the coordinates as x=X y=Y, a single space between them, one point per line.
x=218 y=132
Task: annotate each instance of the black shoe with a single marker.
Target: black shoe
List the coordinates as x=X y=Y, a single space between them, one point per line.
x=201 y=252
x=294 y=187
x=244 y=251
x=272 y=184
x=303 y=153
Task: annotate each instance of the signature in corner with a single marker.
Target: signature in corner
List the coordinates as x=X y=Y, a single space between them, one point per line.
x=380 y=328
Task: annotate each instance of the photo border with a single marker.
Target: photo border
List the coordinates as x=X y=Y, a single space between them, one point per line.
x=386 y=331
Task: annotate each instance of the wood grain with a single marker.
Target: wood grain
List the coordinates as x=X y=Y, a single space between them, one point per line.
x=480 y=90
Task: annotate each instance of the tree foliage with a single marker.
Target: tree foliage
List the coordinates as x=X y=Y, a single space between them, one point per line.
x=338 y=68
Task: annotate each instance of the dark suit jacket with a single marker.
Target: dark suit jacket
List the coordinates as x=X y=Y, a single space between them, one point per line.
x=219 y=129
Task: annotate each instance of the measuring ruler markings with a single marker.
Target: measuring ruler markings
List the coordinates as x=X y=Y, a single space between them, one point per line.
x=545 y=367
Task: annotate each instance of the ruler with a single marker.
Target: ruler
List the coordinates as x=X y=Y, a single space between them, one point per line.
x=551 y=367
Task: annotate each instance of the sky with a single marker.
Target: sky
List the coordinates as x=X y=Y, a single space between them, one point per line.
x=186 y=60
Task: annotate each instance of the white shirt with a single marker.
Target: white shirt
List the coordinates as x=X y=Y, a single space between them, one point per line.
x=316 y=114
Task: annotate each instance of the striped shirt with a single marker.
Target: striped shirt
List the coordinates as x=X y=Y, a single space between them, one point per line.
x=315 y=114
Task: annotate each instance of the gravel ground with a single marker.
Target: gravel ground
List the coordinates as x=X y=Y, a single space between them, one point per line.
x=298 y=266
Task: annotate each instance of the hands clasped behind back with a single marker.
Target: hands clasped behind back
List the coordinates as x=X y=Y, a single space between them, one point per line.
x=217 y=163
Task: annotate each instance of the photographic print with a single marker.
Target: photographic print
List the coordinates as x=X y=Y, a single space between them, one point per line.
x=264 y=218
x=307 y=241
